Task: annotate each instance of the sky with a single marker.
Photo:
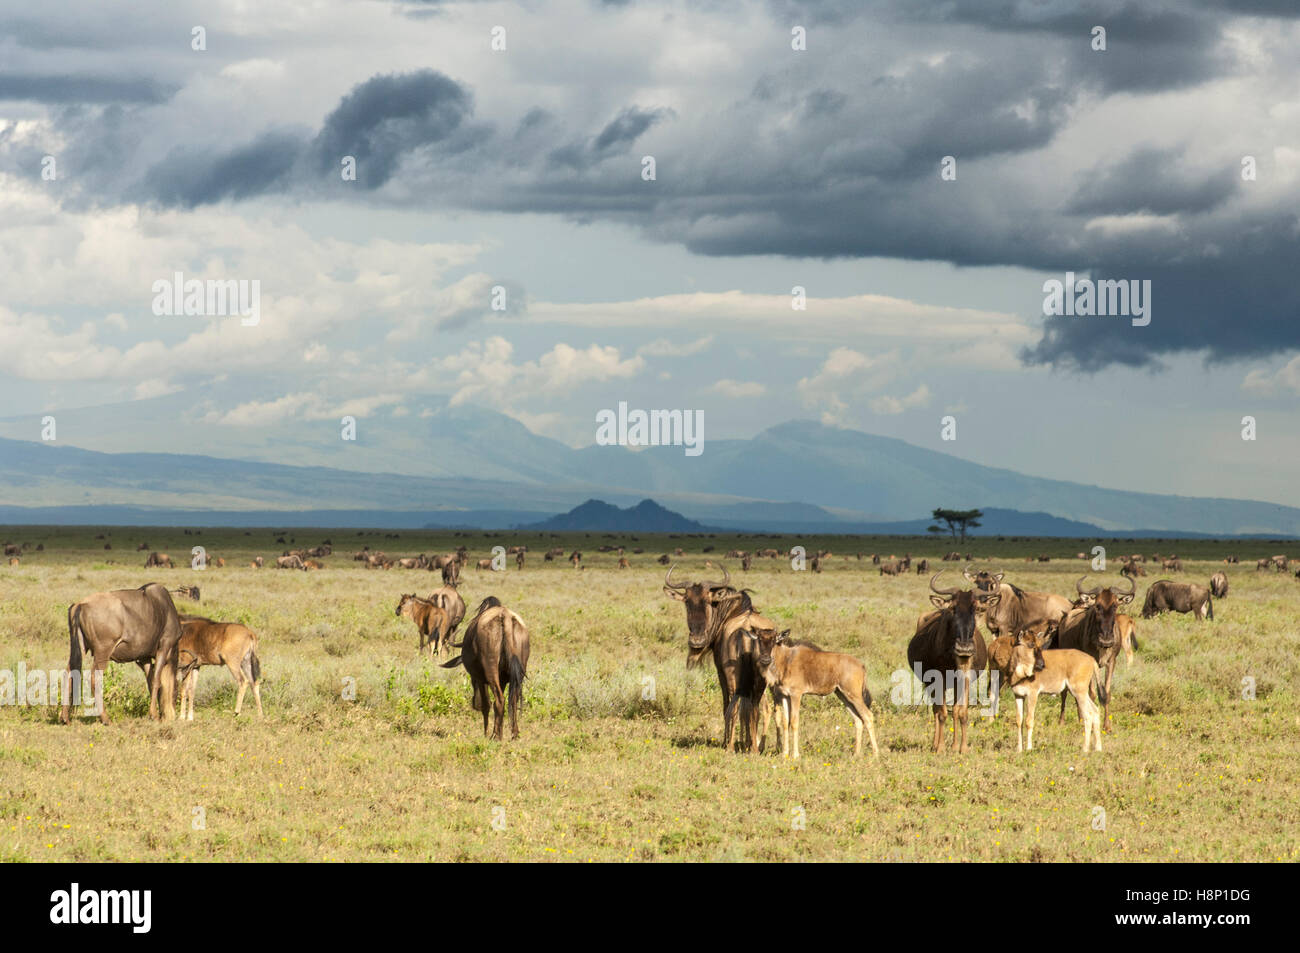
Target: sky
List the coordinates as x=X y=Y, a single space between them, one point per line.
x=919 y=168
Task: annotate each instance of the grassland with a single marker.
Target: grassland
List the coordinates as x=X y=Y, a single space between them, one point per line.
x=1193 y=771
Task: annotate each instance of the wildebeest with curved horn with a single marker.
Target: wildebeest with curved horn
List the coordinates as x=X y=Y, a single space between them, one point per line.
x=1167 y=595
x=495 y=653
x=1018 y=609
x=127 y=625
x=1219 y=585
x=1093 y=628
x=716 y=612
x=949 y=642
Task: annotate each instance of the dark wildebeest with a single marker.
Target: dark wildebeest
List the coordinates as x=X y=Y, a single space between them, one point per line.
x=793 y=671
x=948 y=642
x=922 y=566
x=575 y=558
x=483 y=564
x=1173 y=565
x=13 y=549
x=519 y=559
x=889 y=569
x=1017 y=609
x=127 y=625
x=1219 y=585
x=430 y=620
x=495 y=653
x=204 y=642
x=451 y=572
x=449 y=600
x=188 y=592
x=816 y=564
x=1132 y=570
x=1092 y=628
x=159 y=560
x=716 y=613
x=1169 y=596
x=1261 y=564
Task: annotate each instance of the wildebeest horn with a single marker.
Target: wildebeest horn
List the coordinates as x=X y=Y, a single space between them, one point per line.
x=1132 y=587
x=1079 y=589
x=942 y=592
x=668 y=579
x=967 y=573
x=726 y=581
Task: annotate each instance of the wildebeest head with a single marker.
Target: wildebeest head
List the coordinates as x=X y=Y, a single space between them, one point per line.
x=963 y=604
x=1026 y=656
x=984 y=580
x=768 y=639
x=1104 y=604
x=405 y=606
x=702 y=600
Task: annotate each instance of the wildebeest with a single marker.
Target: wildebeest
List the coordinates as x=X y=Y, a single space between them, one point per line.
x=289 y=562
x=792 y=671
x=1091 y=628
x=948 y=642
x=716 y=614
x=922 y=566
x=889 y=569
x=14 y=560
x=1169 y=596
x=126 y=625
x=623 y=563
x=1219 y=585
x=159 y=560
x=188 y=592
x=449 y=599
x=495 y=653
x=258 y=562
x=519 y=559
x=1017 y=609
x=1132 y=570
x=451 y=573
x=1173 y=565
x=204 y=642
x=430 y=620
x=13 y=549
x=1002 y=652
x=1261 y=564
x=575 y=559
x=483 y=564
x=1036 y=671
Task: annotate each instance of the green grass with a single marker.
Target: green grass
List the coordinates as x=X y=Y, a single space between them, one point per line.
x=1192 y=771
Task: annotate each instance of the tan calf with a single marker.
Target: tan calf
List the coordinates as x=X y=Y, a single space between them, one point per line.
x=793 y=671
x=204 y=642
x=431 y=620
x=1035 y=671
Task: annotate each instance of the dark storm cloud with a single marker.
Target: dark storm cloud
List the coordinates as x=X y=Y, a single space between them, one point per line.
x=386 y=118
x=197 y=177
x=69 y=88
x=1151 y=180
x=628 y=126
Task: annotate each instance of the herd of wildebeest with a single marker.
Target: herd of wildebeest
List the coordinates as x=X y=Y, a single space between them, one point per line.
x=1042 y=642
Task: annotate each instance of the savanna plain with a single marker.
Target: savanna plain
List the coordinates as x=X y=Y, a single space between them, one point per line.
x=620 y=757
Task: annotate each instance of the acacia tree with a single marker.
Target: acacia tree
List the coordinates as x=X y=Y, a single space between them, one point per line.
x=958 y=520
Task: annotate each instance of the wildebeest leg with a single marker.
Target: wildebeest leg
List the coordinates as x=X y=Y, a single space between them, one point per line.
x=238 y=676
x=794 y=721
x=480 y=695
x=1033 y=704
x=1061 y=720
x=755 y=706
x=498 y=711
x=1110 y=670
x=98 y=673
x=729 y=722
x=940 y=712
x=1020 y=723
x=766 y=704
x=961 y=711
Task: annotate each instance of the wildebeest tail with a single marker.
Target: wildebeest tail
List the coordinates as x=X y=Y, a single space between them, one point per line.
x=75 y=647
x=866 y=695
x=1133 y=638
x=1209 y=601
x=254 y=665
x=516 y=681
x=453 y=662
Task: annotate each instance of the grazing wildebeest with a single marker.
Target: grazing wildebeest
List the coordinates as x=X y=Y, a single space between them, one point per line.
x=289 y=562
x=188 y=592
x=1261 y=564
x=410 y=562
x=430 y=620
x=889 y=569
x=716 y=613
x=495 y=653
x=948 y=642
x=922 y=566
x=1132 y=570
x=1173 y=565
x=1281 y=562
x=483 y=564
x=204 y=642
x=792 y=671
x=449 y=600
x=1169 y=596
x=1219 y=585
x=1017 y=609
x=159 y=560
x=1061 y=670
x=1092 y=628
x=127 y=625
x=13 y=549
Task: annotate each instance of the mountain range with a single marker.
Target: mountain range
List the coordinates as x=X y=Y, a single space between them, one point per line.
x=437 y=464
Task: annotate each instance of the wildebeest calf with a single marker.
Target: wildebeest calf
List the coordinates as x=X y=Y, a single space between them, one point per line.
x=1061 y=670
x=430 y=619
x=204 y=642
x=792 y=671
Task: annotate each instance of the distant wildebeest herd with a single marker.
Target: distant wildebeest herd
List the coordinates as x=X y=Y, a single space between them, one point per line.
x=1042 y=643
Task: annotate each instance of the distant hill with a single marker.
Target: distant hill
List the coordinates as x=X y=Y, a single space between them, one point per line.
x=597 y=516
